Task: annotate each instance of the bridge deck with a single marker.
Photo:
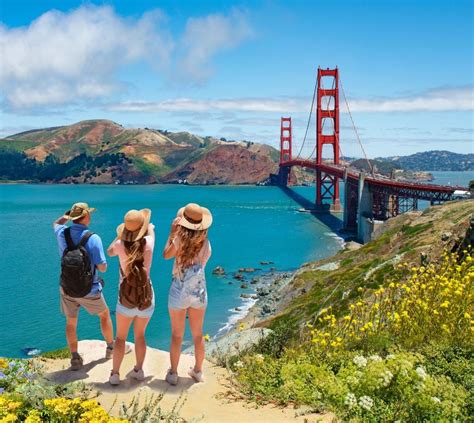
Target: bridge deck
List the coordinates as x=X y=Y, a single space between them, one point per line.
x=377 y=180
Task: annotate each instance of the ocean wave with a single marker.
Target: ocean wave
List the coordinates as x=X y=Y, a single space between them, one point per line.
x=235 y=316
x=336 y=237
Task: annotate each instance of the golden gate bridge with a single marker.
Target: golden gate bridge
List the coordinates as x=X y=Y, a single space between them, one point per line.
x=368 y=197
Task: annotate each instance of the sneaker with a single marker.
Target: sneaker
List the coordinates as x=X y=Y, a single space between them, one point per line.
x=114 y=379
x=109 y=352
x=137 y=374
x=171 y=378
x=76 y=363
x=197 y=376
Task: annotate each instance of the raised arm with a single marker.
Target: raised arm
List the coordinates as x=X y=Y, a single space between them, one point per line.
x=111 y=250
x=59 y=221
x=151 y=231
x=170 y=250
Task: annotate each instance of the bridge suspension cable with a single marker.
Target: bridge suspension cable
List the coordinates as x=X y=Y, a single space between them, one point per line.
x=355 y=129
x=309 y=119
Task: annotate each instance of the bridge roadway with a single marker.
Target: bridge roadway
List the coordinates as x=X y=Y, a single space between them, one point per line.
x=420 y=191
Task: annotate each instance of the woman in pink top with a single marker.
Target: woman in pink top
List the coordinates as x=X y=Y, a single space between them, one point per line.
x=134 y=247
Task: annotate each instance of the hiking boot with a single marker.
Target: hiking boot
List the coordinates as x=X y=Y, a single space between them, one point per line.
x=197 y=376
x=76 y=363
x=137 y=374
x=171 y=378
x=114 y=379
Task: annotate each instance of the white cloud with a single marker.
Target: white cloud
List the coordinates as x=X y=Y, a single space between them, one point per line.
x=434 y=100
x=192 y=105
x=62 y=57
x=441 y=99
x=205 y=37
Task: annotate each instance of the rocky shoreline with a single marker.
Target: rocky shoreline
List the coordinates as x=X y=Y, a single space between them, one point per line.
x=268 y=297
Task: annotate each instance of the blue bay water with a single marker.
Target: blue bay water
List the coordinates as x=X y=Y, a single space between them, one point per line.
x=251 y=224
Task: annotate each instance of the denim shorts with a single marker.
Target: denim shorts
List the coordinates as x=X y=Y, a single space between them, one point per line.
x=189 y=290
x=135 y=312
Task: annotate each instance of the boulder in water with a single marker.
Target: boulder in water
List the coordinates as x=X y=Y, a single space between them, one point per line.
x=219 y=270
x=247 y=269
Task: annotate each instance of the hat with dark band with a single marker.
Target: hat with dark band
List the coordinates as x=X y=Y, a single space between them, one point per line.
x=195 y=217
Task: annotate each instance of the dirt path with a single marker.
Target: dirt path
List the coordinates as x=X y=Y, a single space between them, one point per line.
x=202 y=401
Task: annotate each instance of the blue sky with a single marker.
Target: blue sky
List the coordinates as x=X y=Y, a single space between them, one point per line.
x=231 y=69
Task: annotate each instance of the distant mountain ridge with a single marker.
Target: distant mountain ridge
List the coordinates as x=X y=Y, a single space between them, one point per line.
x=102 y=151
x=436 y=160
x=137 y=155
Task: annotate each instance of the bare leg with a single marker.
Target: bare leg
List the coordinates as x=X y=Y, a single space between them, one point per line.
x=123 y=325
x=178 y=320
x=71 y=333
x=196 y=319
x=139 y=327
x=106 y=326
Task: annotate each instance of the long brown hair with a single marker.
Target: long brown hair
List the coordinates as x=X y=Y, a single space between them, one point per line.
x=191 y=243
x=135 y=251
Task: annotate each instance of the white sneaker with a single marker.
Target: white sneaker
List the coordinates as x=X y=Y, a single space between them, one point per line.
x=114 y=379
x=171 y=378
x=197 y=376
x=137 y=374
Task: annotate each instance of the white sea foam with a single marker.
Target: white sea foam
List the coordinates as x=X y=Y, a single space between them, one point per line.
x=235 y=316
x=336 y=237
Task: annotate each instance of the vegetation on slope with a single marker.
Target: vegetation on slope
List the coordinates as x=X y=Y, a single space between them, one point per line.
x=388 y=336
x=17 y=166
x=152 y=155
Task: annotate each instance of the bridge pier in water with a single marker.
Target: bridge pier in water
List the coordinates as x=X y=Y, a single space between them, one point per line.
x=351 y=201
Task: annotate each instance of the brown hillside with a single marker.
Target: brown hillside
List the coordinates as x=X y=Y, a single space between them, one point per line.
x=226 y=164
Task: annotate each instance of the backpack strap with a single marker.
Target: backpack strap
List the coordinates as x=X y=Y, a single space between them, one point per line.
x=85 y=238
x=83 y=242
x=67 y=236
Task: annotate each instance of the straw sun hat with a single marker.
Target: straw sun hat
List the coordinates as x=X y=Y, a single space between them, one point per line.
x=194 y=217
x=78 y=211
x=135 y=225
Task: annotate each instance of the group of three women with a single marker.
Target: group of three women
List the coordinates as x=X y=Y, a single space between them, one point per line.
x=188 y=244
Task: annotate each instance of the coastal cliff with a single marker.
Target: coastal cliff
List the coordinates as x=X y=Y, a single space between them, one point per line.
x=379 y=332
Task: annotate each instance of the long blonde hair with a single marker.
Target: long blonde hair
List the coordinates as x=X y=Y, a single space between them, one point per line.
x=135 y=252
x=191 y=243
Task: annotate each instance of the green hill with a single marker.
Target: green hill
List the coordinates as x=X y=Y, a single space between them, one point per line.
x=72 y=153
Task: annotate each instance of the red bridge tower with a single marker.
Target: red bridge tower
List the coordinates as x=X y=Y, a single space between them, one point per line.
x=285 y=140
x=327 y=186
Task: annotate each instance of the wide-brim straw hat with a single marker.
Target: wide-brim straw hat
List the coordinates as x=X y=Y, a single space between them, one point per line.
x=135 y=225
x=194 y=217
x=78 y=211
